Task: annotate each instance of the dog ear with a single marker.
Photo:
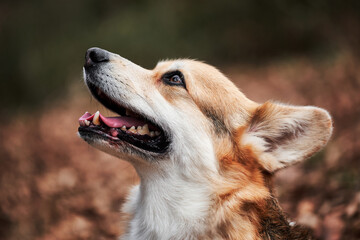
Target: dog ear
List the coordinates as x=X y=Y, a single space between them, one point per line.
x=281 y=135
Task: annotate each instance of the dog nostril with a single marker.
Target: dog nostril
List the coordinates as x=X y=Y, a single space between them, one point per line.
x=95 y=55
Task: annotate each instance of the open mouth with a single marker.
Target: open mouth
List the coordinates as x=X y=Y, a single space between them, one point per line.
x=129 y=127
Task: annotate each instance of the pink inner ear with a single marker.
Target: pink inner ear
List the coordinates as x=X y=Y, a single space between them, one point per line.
x=285 y=134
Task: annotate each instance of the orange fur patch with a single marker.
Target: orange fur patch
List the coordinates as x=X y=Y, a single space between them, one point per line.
x=242 y=185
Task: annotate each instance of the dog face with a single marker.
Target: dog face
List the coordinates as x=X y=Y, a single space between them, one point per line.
x=196 y=116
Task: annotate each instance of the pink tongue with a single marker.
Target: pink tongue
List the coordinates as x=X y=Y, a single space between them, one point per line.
x=86 y=116
x=116 y=122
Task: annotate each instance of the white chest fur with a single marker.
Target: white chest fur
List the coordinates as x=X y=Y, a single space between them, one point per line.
x=167 y=208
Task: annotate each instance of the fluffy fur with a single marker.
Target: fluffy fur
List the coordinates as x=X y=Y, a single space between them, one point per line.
x=214 y=181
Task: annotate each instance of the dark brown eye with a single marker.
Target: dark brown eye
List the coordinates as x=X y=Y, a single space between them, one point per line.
x=175 y=78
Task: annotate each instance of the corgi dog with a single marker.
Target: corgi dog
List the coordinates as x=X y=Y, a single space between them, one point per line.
x=204 y=152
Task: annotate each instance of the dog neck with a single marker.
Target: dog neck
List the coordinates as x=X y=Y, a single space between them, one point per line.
x=168 y=203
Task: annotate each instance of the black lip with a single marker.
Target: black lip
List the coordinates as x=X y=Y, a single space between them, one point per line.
x=104 y=99
x=157 y=145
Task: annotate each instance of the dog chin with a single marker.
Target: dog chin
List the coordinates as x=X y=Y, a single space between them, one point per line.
x=121 y=149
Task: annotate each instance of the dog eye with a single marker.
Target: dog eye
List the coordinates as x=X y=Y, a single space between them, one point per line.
x=174 y=78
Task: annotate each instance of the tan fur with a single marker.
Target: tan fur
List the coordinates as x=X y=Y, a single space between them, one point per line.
x=210 y=90
x=242 y=190
x=250 y=142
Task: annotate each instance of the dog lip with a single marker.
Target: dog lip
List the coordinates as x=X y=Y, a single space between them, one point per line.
x=104 y=99
x=114 y=106
x=157 y=144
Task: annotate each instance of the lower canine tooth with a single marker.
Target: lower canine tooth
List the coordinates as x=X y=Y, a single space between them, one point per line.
x=96 y=119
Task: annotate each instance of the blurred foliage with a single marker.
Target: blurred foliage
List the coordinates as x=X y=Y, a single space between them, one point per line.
x=42 y=43
x=53 y=185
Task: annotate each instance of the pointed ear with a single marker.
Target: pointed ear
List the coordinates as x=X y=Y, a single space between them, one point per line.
x=281 y=135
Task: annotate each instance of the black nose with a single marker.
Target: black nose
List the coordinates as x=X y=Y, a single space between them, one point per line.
x=95 y=55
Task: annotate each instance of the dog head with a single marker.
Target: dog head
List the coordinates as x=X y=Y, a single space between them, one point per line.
x=196 y=115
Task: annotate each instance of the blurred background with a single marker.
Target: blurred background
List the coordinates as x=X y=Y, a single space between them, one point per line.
x=54 y=186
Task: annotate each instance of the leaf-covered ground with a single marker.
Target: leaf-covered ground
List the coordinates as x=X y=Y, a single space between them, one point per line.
x=54 y=186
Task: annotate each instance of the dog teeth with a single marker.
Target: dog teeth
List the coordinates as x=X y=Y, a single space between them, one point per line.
x=133 y=129
x=143 y=129
x=146 y=128
x=127 y=112
x=96 y=119
x=87 y=123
